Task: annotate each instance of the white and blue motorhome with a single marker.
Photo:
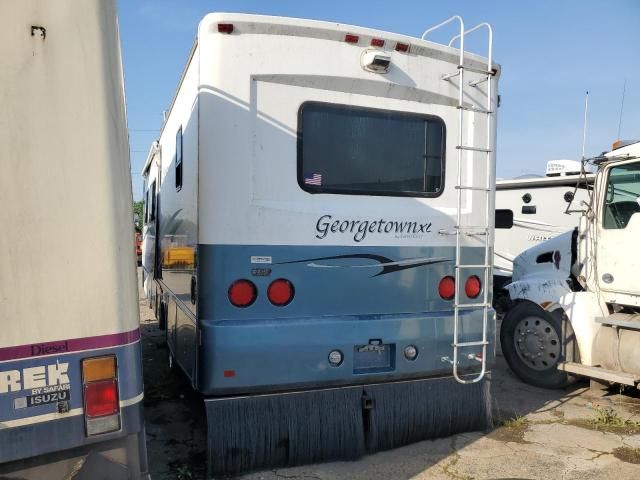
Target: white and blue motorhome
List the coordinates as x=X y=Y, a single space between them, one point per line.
x=70 y=363
x=318 y=237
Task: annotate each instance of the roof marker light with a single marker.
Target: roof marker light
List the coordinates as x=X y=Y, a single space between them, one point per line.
x=377 y=42
x=349 y=38
x=402 y=47
x=225 y=27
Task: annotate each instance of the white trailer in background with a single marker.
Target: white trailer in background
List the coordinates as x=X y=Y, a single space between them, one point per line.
x=576 y=297
x=543 y=207
x=70 y=361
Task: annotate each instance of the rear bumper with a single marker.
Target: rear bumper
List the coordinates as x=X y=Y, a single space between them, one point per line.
x=51 y=450
x=252 y=356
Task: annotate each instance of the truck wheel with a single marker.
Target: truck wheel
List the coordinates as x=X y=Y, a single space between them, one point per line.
x=534 y=341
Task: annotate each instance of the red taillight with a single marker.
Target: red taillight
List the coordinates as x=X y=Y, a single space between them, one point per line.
x=280 y=292
x=377 y=42
x=402 y=47
x=242 y=293
x=351 y=38
x=473 y=286
x=447 y=288
x=101 y=398
x=225 y=27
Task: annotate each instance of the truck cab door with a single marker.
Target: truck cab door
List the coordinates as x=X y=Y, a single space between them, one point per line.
x=618 y=229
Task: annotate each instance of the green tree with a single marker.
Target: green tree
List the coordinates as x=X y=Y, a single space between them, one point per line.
x=138 y=208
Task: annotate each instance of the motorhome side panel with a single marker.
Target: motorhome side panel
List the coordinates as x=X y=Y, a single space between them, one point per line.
x=175 y=177
x=67 y=274
x=364 y=267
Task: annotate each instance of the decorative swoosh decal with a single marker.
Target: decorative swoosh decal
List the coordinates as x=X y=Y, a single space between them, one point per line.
x=387 y=265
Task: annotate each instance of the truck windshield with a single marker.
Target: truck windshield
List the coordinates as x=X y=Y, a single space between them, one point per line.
x=623 y=196
x=353 y=150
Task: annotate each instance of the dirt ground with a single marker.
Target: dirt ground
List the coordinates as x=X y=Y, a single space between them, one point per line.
x=539 y=434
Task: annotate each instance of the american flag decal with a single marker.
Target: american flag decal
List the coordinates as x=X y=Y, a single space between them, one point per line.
x=314 y=179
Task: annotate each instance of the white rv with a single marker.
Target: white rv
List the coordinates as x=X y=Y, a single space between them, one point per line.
x=70 y=356
x=332 y=190
x=542 y=207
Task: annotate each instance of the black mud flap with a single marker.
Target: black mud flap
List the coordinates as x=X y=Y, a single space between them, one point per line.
x=270 y=431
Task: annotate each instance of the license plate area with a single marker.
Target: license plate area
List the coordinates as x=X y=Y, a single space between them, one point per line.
x=374 y=357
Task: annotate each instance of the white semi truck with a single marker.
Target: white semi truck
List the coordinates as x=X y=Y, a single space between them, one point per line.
x=576 y=298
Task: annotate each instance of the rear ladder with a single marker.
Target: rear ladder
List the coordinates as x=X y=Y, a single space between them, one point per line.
x=482 y=231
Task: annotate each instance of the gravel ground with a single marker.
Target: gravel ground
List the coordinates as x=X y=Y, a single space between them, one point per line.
x=540 y=434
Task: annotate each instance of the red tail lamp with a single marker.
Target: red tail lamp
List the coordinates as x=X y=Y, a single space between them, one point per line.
x=473 y=286
x=447 y=288
x=280 y=292
x=242 y=293
x=101 y=398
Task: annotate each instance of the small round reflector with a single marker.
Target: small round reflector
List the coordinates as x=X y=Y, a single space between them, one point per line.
x=280 y=292
x=447 y=288
x=410 y=352
x=242 y=293
x=335 y=358
x=473 y=286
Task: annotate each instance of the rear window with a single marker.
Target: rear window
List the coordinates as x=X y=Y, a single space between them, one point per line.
x=360 y=151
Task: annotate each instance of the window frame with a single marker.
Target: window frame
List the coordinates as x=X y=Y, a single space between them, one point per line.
x=336 y=191
x=179 y=163
x=605 y=205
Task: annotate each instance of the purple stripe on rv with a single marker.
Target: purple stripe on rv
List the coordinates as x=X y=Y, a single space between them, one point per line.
x=66 y=346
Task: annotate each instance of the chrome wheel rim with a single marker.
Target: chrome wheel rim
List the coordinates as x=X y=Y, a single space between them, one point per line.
x=537 y=343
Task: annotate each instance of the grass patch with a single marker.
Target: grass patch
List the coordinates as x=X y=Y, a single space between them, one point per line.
x=511 y=430
x=609 y=420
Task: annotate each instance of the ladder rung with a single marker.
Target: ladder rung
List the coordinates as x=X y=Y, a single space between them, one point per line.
x=476 y=70
x=473 y=149
x=475 y=83
x=472 y=305
x=473 y=109
x=469 y=344
x=473 y=266
x=466 y=187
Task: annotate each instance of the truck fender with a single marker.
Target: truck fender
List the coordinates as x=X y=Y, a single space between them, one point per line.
x=544 y=292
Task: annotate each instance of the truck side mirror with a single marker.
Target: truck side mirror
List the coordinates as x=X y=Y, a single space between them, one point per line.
x=504 y=218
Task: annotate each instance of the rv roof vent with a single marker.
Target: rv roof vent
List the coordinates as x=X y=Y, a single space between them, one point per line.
x=557 y=168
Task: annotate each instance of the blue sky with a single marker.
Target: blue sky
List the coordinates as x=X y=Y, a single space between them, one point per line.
x=551 y=52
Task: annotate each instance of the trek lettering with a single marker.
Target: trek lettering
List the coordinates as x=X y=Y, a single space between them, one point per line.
x=360 y=228
x=34 y=377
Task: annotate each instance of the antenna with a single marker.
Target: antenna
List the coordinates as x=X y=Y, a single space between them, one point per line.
x=584 y=131
x=624 y=88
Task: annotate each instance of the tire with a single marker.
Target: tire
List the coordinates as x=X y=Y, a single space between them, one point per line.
x=534 y=341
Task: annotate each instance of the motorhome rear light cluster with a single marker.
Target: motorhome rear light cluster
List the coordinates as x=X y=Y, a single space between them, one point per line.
x=242 y=293
x=473 y=286
x=447 y=288
x=377 y=42
x=101 y=396
x=351 y=38
x=280 y=292
x=225 y=27
x=402 y=47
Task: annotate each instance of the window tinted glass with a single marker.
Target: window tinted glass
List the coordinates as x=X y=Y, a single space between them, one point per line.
x=354 y=150
x=179 y=166
x=623 y=196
